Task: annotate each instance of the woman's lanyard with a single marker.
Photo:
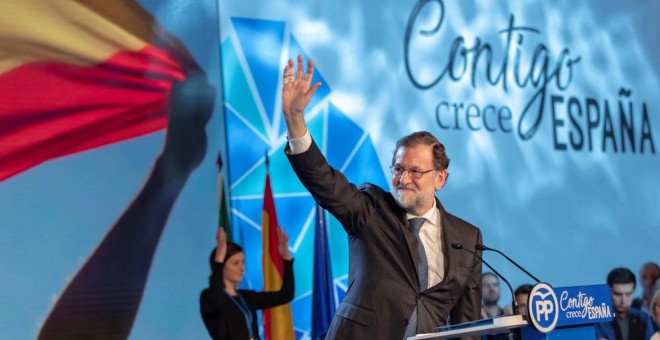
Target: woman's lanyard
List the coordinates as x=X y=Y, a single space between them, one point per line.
x=245 y=309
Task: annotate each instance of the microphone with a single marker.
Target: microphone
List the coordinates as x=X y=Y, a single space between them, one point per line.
x=514 y=304
x=483 y=247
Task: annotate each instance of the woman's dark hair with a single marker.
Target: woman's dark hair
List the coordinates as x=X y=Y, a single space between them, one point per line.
x=232 y=248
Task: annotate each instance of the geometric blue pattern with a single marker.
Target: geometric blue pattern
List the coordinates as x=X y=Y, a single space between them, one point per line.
x=255 y=128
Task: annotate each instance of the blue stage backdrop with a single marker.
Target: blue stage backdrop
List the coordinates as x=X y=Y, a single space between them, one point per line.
x=548 y=111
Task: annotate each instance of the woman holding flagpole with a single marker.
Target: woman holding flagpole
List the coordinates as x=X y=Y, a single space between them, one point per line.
x=229 y=313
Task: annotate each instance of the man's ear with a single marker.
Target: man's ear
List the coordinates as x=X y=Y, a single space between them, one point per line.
x=440 y=179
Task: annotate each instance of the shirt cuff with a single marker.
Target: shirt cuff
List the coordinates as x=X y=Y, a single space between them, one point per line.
x=300 y=145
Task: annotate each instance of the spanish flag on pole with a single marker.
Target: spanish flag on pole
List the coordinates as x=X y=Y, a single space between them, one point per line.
x=79 y=74
x=278 y=324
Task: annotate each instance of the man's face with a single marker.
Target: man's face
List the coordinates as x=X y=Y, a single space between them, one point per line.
x=416 y=195
x=490 y=289
x=521 y=300
x=648 y=273
x=622 y=296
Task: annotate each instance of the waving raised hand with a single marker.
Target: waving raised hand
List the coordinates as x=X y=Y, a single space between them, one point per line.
x=297 y=91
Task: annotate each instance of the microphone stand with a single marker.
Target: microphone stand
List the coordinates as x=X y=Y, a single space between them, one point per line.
x=514 y=304
x=483 y=247
x=515 y=333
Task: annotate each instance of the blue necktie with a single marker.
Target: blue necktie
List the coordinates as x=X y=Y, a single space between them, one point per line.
x=422 y=270
x=422 y=263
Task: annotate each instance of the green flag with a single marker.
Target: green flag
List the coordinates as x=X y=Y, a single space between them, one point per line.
x=223 y=202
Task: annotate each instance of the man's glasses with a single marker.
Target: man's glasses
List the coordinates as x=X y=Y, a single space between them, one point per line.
x=398 y=171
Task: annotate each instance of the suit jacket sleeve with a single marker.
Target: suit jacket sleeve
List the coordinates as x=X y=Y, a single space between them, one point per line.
x=331 y=189
x=285 y=294
x=213 y=300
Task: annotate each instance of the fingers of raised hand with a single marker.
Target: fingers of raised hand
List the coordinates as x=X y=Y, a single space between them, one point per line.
x=221 y=235
x=282 y=234
x=290 y=76
x=310 y=70
x=299 y=71
x=288 y=73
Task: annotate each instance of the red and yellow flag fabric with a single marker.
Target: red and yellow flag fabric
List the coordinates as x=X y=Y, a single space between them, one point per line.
x=278 y=324
x=80 y=74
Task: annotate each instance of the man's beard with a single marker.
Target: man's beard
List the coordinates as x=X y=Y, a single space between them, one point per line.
x=491 y=301
x=407 y=202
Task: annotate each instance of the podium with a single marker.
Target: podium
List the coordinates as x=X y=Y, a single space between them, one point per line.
x=567 y=313
x=500 y=325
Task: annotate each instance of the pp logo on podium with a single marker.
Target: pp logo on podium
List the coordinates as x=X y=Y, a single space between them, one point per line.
x=543 y=307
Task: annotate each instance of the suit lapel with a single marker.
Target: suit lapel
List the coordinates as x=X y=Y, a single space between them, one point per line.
x=448 y=231
x=448 y=236
x=404 y=225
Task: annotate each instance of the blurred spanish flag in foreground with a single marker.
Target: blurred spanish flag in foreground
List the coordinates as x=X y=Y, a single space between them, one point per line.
x=79 y=74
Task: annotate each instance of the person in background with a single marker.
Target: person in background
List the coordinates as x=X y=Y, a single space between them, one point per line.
x=629 y=323
x=490 y=296
x=229 y=313
x=654 y=307
x=521 y=295
x=648 y=273
x=404 y=277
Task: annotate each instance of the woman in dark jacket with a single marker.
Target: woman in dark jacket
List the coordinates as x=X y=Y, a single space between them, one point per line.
x=229 y=313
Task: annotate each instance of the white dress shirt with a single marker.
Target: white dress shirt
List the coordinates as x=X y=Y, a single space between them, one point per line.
x=431 y=236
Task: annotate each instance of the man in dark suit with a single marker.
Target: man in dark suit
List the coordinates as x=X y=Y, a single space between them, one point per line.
x=404 y=277
x=629 y=323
